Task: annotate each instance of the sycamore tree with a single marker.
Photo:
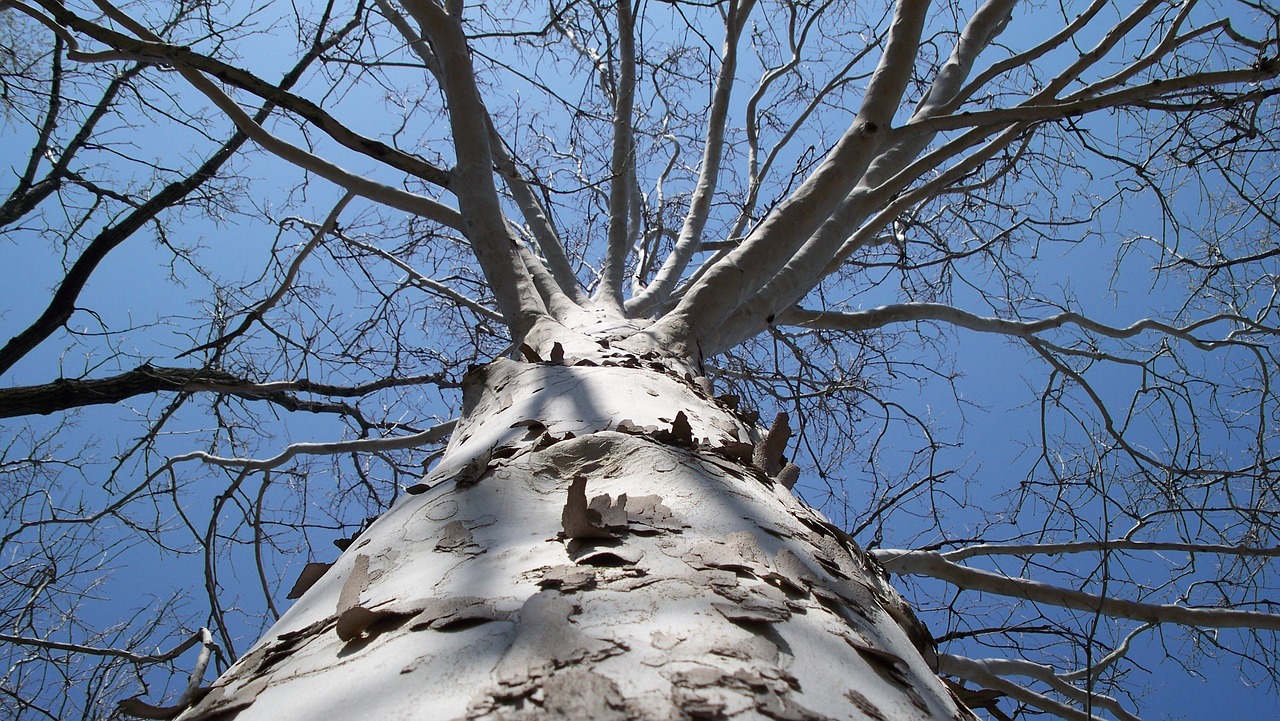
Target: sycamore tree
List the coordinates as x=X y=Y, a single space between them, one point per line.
x=550 y=315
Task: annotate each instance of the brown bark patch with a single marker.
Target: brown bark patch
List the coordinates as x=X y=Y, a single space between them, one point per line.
x=311 y=573
x=580 y=521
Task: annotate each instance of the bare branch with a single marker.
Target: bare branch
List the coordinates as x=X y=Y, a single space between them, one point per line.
x=912 y=312
x=534 y=213
x=934 y=565
x=1136 y=95
x=890 y=171
x=131 y=656
x=695 y=220
x=982 y=672
x=154 y=50
x=252 y=127
x=64 y=394
x=485 y=224
x=429 y=284
x=1117 y=544
x=192 y=693
x=62 y=305
x=259 y=311
x=435 y=434
x=622 y=162
x=741 y=272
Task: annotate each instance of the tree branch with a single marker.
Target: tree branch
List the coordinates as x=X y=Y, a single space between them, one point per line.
x=1039 y=112
x=982 y=673
x=260 y=310
x=935 y=565
x=64 y=393
x=434 y=434
x=741 y=272
x=1116 y=544
x=156 y=50
x=622 y=162
x=62 y=305
x=695 y=220
x=914 y=312
x=252 y=127
x=429 y=284
x=130 y=656
x=888 y=172
x=485 y=223
x=535 y=214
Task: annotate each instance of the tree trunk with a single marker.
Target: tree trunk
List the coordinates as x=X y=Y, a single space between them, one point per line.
x=597 y=543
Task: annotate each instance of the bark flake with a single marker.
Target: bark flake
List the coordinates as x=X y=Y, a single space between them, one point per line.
x=355 y=584
x=529 y=353
x=455 y=537
x=609 y=557
x=580 y=521
x=224 y=703
x=363 y=623
x=889 y=666
x=454 y=614
x=768 y=452
x=647 y=515
x=863 y=704
x=680 y=434
x=788 y=476
x=754 y=610
x=791 y=574
x=568 y=579
x=307 y=578
x=739 y=552
x=546 y=672
x=359 y=622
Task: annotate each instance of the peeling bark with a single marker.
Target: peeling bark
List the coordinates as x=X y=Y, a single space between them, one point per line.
x=563 y=564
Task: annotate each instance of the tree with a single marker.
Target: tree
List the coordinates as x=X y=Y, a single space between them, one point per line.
x=532 y=275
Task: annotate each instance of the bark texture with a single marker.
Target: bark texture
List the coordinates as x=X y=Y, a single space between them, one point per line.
x=597 y=544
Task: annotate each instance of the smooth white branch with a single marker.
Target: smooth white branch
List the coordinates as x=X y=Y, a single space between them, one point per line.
x=933 y=565
x=990 y=673
x=622 y=194
x=1118 y=544
x=914 y=312
x=485 y=223
x=721 y=290
x=704 y=191
x=435 y=434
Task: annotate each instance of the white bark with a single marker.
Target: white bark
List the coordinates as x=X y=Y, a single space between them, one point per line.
x=992 y=673
x=807 y=265
x=695 y=586
x=622 y=163
x=484 y=222
x=713 y=148
x=741 y=272
x=935 y=565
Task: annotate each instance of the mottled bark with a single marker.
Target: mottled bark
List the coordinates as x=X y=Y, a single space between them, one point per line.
x=597 y=543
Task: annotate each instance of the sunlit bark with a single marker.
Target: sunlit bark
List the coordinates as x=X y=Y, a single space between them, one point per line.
x=691 y=584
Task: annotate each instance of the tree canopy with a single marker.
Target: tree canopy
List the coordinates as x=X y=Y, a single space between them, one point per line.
x=1010 y=268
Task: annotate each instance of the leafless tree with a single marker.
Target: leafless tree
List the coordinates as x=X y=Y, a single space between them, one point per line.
x=494 y=297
